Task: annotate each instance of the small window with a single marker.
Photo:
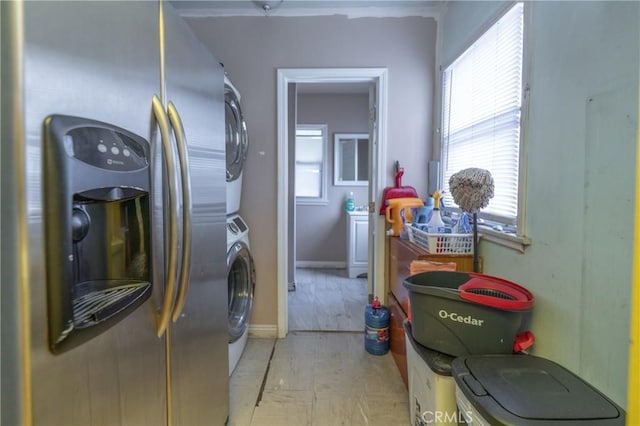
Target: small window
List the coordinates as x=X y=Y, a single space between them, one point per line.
x=481 y=115
x=351 y=159
x=311 y=164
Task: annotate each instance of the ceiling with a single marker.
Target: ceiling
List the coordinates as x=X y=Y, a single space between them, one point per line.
x=349 y=8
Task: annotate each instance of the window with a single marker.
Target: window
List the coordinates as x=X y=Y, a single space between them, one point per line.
x=311 y=164
x=481 y=113
x=351 y=159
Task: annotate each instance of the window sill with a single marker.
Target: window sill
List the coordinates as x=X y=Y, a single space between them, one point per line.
x=508 y=240
x=311 y=202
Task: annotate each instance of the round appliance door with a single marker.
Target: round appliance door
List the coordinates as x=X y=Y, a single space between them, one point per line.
x=236 y=140
x=241 y=279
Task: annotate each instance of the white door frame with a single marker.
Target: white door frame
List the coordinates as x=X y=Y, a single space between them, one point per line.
x=378 y=76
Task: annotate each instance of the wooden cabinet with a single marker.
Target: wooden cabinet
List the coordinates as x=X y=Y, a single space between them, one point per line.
x=400 y=255
x=396 y=344
x=357 y=243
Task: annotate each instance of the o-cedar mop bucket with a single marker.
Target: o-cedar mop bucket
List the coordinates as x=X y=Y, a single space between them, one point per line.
x=460 y=313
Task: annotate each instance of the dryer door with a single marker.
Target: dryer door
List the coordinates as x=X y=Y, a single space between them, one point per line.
x=235 y=134
x=241 y=278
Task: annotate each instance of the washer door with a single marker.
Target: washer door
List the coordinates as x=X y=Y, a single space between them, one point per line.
x=241 y=279
x=236 y=140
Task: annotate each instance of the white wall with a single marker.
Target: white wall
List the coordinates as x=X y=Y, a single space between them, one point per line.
x=580 y=168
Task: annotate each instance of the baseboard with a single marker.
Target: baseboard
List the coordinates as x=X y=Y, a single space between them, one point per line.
x=263 y=331
x=320 y=264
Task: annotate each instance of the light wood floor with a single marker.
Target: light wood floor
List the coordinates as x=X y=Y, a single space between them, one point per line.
x=328 y=300
x=316 y=378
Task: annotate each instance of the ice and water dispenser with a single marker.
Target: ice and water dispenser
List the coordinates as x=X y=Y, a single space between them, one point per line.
x=97 y=227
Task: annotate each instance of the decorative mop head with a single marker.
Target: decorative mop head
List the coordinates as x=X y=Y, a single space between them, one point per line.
x=471 y=189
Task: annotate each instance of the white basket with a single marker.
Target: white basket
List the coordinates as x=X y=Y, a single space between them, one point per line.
x=441 y=243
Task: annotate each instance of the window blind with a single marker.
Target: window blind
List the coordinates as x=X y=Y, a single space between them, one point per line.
x=310 y=162
x=482 y=101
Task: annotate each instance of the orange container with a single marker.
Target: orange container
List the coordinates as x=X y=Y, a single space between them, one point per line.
x=394 y=209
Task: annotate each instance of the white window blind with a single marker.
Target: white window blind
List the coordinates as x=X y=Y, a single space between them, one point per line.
x=310 y=152
x=482 y=100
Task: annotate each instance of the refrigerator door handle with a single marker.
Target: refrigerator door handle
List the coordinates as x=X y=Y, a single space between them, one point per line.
x=172 y=250
x=183 y=282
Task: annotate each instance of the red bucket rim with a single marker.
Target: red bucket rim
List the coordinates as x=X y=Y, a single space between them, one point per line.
x=520 y=297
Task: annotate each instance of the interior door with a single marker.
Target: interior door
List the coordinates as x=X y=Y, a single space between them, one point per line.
x=292 y=101
x=198 y=337
x=373 y=191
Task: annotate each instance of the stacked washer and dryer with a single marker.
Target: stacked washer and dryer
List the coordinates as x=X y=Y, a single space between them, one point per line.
x=241 y=275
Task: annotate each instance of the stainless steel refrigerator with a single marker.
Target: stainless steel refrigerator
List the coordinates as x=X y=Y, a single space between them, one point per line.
x=114 y=298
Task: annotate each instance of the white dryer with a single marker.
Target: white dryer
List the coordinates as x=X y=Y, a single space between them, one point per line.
x=241 y=280
x=236 y=145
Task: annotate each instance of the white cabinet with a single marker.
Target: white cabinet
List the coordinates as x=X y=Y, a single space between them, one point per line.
x=357 y=243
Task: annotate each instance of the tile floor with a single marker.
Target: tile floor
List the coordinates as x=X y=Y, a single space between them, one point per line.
x=326 y=299
x=316 y=378
x=323 y=376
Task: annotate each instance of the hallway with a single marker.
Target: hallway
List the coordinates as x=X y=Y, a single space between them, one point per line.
x=327 y=300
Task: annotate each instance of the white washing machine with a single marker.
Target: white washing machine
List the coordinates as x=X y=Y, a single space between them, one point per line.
x=236 y=145
x=241 y=280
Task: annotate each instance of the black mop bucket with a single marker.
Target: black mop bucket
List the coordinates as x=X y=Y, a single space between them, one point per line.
x=460 y=313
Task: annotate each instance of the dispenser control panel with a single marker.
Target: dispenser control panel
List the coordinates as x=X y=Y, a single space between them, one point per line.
x=106 y=148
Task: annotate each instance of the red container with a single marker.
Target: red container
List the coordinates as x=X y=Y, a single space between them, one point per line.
x=398 y=191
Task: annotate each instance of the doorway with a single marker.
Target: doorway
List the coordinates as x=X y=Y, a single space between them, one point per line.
x=377 y=77
x=327 y=281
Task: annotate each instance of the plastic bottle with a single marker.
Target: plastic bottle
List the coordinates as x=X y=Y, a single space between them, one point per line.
x=435 y=224
x=376 y=328
x=423 y=214
x=351 y=203
x=463 y=226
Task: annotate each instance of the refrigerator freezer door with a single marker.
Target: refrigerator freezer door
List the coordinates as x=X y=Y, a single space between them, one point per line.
x=199 y=342
x=98 y=60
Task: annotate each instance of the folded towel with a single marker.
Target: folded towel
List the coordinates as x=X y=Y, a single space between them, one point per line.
x=418 y=266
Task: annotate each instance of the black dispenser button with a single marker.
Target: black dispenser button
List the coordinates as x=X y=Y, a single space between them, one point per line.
x=80 y=223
